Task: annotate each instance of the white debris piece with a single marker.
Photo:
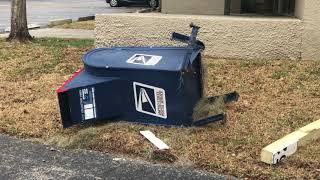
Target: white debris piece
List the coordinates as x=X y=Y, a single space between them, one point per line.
x=118 y=159
x=154 y=140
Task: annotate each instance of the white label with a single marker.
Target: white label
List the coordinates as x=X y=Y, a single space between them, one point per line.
x=88 y=106
x=88 y=103
x=285 y=152
x=154 y=140
x=89 y=114
x=144 y=59
x=150 y=100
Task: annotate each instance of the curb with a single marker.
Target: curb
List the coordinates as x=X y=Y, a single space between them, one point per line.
x=30 y=27
x=34 y=26
x=57 y=22
x=145 y=10
x=51 y=23
x=87 y=18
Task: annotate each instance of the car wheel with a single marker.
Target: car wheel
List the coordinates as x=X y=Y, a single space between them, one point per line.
x=153 y=3
x=114 y=3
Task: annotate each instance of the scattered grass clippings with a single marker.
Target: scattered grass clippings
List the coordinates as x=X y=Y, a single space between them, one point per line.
x=276 y=98
x=204 y=108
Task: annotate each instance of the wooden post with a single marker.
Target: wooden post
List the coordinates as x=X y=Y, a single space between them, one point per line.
x=288 y=145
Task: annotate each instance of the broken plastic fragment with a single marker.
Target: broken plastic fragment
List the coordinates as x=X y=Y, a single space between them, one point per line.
x=154 y=140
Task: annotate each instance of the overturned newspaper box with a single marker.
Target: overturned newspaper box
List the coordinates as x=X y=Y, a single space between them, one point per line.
x=149 y=85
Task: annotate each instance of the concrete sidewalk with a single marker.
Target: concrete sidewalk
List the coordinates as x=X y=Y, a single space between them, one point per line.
x=25 y=160
x=59 y=33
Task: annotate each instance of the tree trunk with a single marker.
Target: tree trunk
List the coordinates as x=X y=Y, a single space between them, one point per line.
x=19 y=26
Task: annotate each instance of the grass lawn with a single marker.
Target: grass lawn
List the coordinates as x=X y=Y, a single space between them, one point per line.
x=89 y=25
x=277 y=97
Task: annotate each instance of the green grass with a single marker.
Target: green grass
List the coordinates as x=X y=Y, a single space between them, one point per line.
x=47 y=50
x=253 y=63
x=280 y=74
x=61 y=43
x=81 y=140
x=315 y=70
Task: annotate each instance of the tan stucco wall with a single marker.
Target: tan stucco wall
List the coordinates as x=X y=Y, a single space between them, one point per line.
x=299 y=8
x=310 y=15
x=224 y=36
x=213 y=7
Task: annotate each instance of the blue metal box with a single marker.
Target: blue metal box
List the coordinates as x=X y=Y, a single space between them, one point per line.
x=150 y=85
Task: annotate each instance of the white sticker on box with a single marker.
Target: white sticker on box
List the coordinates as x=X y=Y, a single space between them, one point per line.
x=144 y=59
x=89 y=114
x=150 y=100
x=88 y=106
x=88 y=103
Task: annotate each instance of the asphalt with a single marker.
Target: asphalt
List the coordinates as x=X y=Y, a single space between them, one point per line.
x=41 y=11
x=21 y=159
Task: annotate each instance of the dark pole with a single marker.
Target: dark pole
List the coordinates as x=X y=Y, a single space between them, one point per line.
x=227 y=7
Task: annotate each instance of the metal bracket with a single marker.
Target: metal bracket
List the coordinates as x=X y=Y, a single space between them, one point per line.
x=193 y=44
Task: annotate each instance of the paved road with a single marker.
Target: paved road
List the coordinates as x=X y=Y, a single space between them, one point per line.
x=25 y=160
x=41 y=11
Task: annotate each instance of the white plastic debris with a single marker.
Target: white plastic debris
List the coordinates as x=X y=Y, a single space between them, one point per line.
x=154 y=140
x=118 y=159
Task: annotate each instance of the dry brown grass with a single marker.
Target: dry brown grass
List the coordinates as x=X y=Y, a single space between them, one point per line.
x=277 y=97
x=89 y=25
x=29 y=75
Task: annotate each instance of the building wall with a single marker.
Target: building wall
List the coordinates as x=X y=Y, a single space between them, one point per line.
x=310 y=15
x=202 y=7
x=224 y=36
x=299 y=9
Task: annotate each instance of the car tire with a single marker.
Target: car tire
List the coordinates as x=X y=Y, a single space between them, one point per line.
x=114 y=3
x=153 y=3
